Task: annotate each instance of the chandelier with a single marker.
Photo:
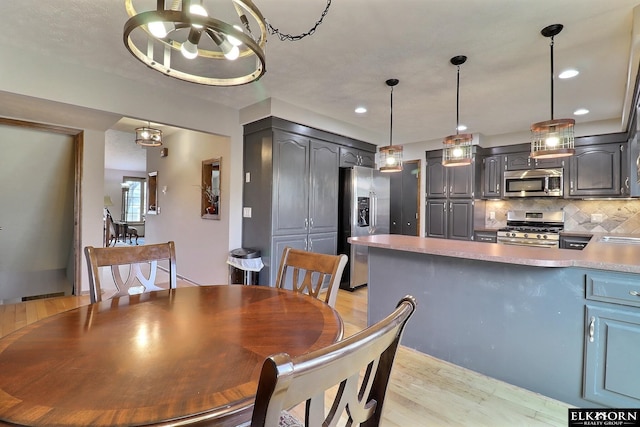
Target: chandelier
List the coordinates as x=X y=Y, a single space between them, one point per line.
x=555 y=137
x=390 y=157
x=184 y=41
x=457 y=149
x=148 y=136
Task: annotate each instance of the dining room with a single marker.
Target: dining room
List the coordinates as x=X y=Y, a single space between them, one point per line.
x=422 y=390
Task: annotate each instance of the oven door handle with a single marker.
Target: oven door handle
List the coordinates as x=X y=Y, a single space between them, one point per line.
x=537 y=245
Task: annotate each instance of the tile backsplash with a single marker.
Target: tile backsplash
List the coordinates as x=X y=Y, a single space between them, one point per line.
x=597 y=216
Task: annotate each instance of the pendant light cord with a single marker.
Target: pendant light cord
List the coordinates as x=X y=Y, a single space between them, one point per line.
x=458 y=102
x=551 y=44
x=391 y=121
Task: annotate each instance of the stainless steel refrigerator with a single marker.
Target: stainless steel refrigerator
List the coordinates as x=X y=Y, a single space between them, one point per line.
x=364 y=210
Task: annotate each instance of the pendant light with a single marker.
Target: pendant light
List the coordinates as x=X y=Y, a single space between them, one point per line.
x=148 y=136
x=555 y=137
x=390 y=157
x=457 y=149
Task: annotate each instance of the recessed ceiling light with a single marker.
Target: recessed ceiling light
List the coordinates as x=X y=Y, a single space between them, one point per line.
x=361 y=110
x=581 y=111
x=567 y=74
x=462 y=127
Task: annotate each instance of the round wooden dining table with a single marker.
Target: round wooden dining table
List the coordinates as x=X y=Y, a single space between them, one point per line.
x=186 y=355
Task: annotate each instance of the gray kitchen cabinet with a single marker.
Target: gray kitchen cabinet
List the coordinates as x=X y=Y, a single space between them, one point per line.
x=450 y=218
x=323 y=243
x=456 y=181
x=612 y=339
x=485 y=236
x=491 y=177
x=354 y=157
x=611 y=360
x=290 y=190
x=594 y=171
x=522 y=160
x=574 y=241
x=305 y=185
x=450 y=194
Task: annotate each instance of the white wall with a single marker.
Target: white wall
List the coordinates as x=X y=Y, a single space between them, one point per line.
x=42 y=88
x=202 y=245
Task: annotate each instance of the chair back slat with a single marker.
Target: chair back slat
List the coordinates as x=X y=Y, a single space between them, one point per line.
x=139 y=262
x=309 y=272
x=360 y=367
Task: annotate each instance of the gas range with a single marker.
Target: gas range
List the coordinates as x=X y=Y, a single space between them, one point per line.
x=532 y=228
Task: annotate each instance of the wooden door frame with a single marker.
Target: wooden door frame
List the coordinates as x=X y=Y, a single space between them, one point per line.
x=77 y=136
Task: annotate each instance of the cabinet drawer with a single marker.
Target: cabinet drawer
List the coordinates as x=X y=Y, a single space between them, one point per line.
x=617 y=288
x=485 y=236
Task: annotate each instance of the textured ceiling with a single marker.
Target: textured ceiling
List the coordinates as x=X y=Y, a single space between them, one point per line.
x=504 y=84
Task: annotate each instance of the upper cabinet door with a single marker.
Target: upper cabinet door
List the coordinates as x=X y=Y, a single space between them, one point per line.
x=491 y=177
x=323 y=190
x=595 y=171
x=290 y=183
x=517 y=161
x=436 y=179
x=348 y=157
x=460 y=181
x=354 y=157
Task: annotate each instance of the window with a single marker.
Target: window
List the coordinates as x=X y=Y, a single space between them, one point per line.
x=133 y=197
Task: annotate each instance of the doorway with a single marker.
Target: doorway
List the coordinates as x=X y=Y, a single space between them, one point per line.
x=405 y=199
x=39 y=226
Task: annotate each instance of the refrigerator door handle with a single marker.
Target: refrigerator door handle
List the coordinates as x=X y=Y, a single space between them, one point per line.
x=373 y=212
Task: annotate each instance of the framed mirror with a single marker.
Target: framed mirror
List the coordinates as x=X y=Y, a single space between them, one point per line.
x=210 y=189
x=152 y=193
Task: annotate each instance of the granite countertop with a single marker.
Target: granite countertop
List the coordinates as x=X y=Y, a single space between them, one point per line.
x=598 y=254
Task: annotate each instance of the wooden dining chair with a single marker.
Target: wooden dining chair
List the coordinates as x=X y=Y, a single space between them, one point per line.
x=140 y=263
x=309 y=271
x=353 y=373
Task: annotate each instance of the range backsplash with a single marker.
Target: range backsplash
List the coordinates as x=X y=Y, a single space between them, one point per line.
x=618 y=216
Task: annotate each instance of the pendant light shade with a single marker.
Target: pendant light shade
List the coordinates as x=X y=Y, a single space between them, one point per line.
x=457 y=149
x=148 y=136
x=555 y=137
x=390 y=157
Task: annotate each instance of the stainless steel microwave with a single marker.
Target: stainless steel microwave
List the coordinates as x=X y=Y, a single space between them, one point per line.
x=533 y=183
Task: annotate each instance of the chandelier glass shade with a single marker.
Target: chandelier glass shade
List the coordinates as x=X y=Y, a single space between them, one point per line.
x=555 y=137
x=457 y=150
x=148 y=136
x=185 y=42
x=390 y=156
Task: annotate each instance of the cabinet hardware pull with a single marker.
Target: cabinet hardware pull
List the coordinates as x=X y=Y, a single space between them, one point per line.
x=634 y=293
x=311 y=224
x=592 y=327
x=444 y=190
x=306 y=223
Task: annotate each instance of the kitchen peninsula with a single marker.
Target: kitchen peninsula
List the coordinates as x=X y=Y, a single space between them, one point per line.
x=562 y=323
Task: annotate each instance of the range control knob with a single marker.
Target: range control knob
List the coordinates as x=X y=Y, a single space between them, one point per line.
x=526 y=236
x=539 y=236
x=544 y=237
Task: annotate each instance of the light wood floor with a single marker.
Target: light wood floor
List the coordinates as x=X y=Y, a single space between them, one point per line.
x=423 y=391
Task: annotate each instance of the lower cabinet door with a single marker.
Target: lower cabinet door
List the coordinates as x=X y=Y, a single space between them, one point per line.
x=324 y=243
x=612 y=364
x=437 y=218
